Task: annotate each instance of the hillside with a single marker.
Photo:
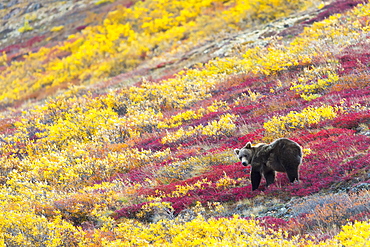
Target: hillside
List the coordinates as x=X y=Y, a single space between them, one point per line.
x=119 y=121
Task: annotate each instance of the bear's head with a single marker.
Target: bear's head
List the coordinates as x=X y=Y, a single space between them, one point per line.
x=245 y=154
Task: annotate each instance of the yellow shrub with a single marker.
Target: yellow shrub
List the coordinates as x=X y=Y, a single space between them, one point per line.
x=193 y=166
x=356 y=235
x=133 y=158
x=28 y=229
x=199 y=231
x=182 y=117
x=104 y=1
x=127 y=35
x=313 y=81
x=57 y=28
x=277 y=57
x=225 y=182
x=278 y=126
x=3 y=59
x=224 y=126
x=26 y=27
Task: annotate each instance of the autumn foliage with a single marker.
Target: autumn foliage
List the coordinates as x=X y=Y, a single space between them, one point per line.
x=89 y=161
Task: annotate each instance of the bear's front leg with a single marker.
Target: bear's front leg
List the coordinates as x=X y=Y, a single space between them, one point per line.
x=256 y=178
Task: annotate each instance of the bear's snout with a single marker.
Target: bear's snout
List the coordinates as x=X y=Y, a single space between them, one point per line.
x=244 y=161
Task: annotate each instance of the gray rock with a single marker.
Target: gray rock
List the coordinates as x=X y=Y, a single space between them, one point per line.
x=33 y=7
x=12 y=13
x=12 y=3
x=359 y=187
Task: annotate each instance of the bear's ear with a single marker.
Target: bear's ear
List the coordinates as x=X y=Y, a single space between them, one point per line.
x=237 y=151
x=248 y=145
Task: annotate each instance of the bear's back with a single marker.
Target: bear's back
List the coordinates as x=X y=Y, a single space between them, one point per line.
x=287 y=152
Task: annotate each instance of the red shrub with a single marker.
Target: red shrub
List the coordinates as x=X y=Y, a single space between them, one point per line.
x=339 y=6
x=273 y=223
x=351 y=120
x=355 y=58
x=12 y=49
x=128 y=212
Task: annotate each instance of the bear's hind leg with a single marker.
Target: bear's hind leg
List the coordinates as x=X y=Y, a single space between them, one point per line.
x=293 y=175
x=270 y=177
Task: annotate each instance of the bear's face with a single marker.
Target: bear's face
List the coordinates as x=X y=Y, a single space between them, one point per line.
x=245 y=154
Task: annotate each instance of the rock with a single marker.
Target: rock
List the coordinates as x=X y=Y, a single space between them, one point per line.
x=186 y=215
x=12 y=13
x=359 y=187
x=12 y=3
x=33 y=7
x=160 y=213
x=4 y=33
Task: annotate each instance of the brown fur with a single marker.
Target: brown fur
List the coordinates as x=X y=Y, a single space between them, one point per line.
x=282 y=155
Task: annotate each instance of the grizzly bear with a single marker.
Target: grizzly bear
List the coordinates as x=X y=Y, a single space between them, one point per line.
x=282 y=155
